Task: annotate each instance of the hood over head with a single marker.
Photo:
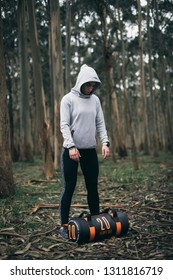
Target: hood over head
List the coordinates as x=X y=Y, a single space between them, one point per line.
x=86 y=74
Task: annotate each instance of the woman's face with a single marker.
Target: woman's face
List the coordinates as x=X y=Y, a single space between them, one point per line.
x=88 y=87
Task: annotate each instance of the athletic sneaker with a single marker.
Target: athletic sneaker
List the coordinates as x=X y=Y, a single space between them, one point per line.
x=63 y=232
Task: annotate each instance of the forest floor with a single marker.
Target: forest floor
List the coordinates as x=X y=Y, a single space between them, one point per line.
x=30 y=219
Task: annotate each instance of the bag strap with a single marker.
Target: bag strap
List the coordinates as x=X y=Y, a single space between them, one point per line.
x=85 y=214
x=110 y=210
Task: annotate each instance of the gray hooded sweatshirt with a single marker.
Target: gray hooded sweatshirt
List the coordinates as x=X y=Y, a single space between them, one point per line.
x=81 y=116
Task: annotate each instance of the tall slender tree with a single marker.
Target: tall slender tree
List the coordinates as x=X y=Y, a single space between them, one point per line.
x=127 y=103
x=152 y=113
x=142 y=82
x=26 y=148
x=109 y=57
x=6 y=174
x=42 y=120
x=67 y=46
x=57 y=75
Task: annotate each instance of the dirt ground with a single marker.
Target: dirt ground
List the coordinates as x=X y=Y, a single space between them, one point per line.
x=150 y=235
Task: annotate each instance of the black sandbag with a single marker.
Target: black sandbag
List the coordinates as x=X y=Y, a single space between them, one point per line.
x=87 y=228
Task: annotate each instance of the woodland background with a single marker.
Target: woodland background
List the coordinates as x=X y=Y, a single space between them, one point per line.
x=42 y=47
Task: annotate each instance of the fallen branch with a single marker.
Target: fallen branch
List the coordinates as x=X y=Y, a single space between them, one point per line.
x=21 y=252
x=44 y=181
x=44 y=205
x=42 y=233
x=11 y=234
x=159 y=209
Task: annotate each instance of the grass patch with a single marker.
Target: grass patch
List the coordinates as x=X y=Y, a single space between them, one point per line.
x=123 y=171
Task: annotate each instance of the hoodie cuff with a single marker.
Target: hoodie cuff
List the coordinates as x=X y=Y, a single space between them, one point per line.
x=106 y=144
x=72 y=147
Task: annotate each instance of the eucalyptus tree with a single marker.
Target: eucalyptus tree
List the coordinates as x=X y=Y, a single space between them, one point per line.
x=41 y=113
x=9 y=9
x=57 y=75
x=125 y=90
x=142 y=83
x=152 y=112
x=6 y=173
x=26 y=144
x=67 y=46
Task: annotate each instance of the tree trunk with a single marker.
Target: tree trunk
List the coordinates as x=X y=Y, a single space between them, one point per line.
x=112 y=98
x=6 y=174
x=68 y=49
x=120 y=146
x=145 y=118
x=42 y=122
x=127 y=104
x=162 y=70
x=26 y=148
x=57 y=79
x=13 y=111
x=152 y=112
x=169 y=113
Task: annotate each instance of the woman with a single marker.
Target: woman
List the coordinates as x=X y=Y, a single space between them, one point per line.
x=81 y=119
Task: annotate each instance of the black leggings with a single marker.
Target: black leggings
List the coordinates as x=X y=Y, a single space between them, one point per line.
x=90 y=169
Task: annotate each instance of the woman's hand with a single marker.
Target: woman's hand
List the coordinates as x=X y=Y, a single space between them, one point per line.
x=74 y=154
x=105 y=151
